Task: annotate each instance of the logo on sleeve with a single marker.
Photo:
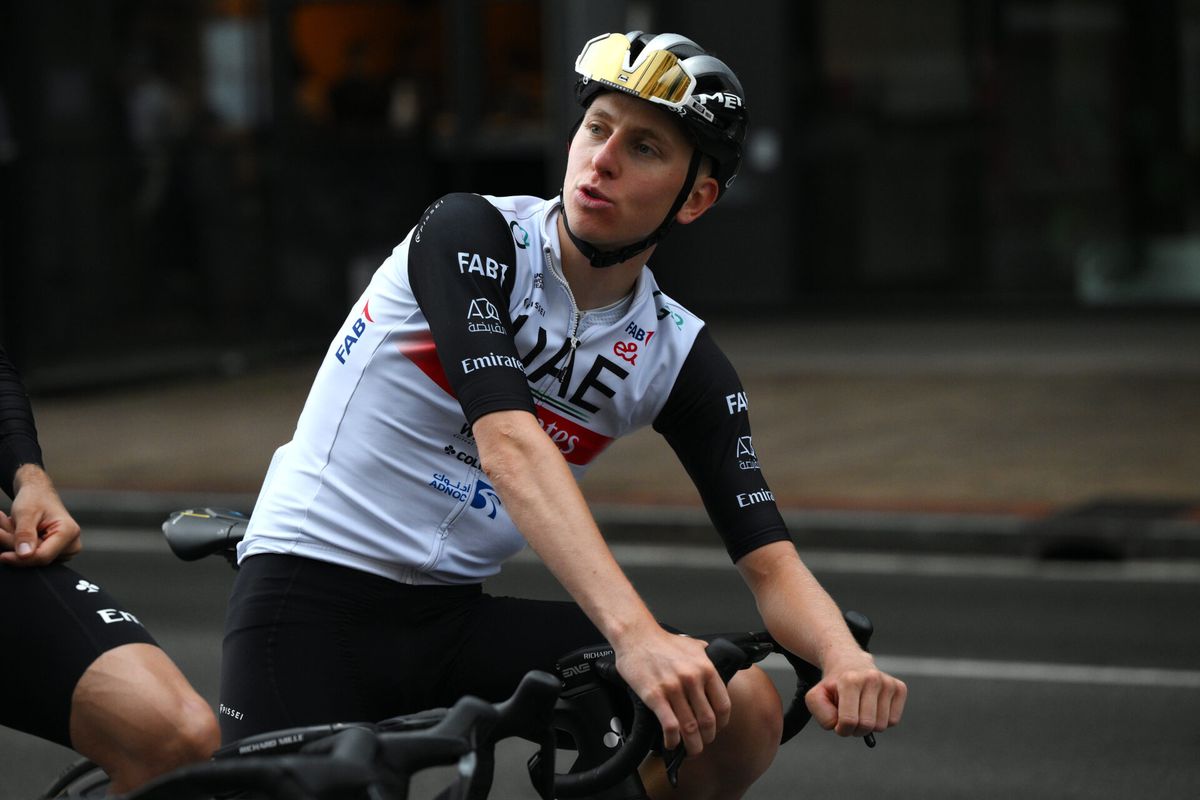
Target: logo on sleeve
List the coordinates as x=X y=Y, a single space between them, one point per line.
x=486 y=266
x=745 y=454
x=745 y=499
x=482 y=317
x=736 y=402
x=490 y=360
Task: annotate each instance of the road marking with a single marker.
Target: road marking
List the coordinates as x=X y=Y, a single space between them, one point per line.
x=925 y=565
x=1033 y=672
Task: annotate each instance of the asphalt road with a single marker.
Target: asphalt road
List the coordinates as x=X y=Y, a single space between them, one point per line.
x=1027 y=679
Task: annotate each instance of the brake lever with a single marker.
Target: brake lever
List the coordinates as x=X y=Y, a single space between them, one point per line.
x=727 y=658
x=673 y=761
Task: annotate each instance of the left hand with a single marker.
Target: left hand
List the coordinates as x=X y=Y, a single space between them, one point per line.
x=855 y=697
x=40 y=530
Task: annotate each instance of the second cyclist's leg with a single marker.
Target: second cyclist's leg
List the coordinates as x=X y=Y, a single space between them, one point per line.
x=739 y=755
x=135 y=715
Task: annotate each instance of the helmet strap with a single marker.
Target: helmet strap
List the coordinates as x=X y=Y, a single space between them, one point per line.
x=606 y=258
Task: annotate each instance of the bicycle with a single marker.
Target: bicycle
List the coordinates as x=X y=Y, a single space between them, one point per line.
x=573 y=710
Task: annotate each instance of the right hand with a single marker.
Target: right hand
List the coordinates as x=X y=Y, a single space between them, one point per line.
x=676 y=680
x=40 y=530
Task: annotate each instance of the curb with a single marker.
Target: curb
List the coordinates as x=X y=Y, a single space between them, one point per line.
x=1095 y=531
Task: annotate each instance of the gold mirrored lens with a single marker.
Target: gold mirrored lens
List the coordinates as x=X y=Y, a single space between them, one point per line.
x=659 y=77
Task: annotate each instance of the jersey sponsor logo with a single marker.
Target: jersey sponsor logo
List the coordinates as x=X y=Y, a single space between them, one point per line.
x=535 y=305
x=357 y=329
x=520 y=235
x=746 y=499
x=667 y=312
x=539 y=280
x=486 y=499
x=627 y=351
x=459 y=491
x=560 y=365
x=638 y=333
x=486 y=266
x=746 y=457
x=465 y=434
x=84 y=586
x=111 y=615
x=462 y=455
x=736 y=402
x=579 y=445
x=490 y=360
x=483 y=497
x=483 y=317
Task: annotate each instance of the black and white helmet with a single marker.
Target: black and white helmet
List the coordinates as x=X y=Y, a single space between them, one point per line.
x=675 y=72
x=672 y=70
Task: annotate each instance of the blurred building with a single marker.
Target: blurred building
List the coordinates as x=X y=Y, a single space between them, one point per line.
x=200 y=182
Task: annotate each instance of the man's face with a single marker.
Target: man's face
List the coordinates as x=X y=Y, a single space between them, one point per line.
x=625 y=168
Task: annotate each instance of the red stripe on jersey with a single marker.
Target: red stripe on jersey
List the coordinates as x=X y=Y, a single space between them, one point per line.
x=423 y=353
x=578 y=444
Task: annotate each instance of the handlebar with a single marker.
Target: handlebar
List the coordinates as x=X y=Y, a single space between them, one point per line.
x=584 y=707
x=198 y=532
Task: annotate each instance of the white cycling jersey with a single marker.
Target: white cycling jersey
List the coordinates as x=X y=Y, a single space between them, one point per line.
x=469 y=315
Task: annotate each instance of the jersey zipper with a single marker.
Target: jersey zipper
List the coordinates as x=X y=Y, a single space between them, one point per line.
x=576 y=317
x=443 y=530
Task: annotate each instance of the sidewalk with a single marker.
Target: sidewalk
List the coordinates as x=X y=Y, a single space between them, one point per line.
x=1069 y=438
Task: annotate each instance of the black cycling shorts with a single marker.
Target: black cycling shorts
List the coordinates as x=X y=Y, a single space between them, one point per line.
x=308 y=642
x=55 y=624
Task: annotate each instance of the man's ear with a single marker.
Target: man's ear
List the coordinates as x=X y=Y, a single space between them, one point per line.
x=705 y=192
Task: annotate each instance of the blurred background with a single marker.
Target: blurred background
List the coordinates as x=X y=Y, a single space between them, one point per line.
x=206 y=181
x=960 y=269
x=959 y=275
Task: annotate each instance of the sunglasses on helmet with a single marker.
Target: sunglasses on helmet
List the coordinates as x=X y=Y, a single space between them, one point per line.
x=657 y=76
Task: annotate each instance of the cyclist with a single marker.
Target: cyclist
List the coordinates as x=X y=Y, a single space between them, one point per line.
x=494 y=354
x=80 y=669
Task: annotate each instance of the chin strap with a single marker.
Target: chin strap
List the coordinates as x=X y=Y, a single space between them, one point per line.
x=607 y=258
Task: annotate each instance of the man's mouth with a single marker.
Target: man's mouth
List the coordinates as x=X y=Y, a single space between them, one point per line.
x=592 y=197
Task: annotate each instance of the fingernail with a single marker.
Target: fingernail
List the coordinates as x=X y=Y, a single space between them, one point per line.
x=24 y=549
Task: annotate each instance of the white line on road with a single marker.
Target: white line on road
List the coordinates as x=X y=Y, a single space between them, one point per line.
x=1034 y=672
x=932 y=565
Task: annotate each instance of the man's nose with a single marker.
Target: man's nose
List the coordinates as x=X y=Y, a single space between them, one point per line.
x=606 y=160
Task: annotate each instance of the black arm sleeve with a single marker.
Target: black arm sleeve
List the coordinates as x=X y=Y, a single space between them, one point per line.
x=461 y=268
x=705 y=420
x=18 y=436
